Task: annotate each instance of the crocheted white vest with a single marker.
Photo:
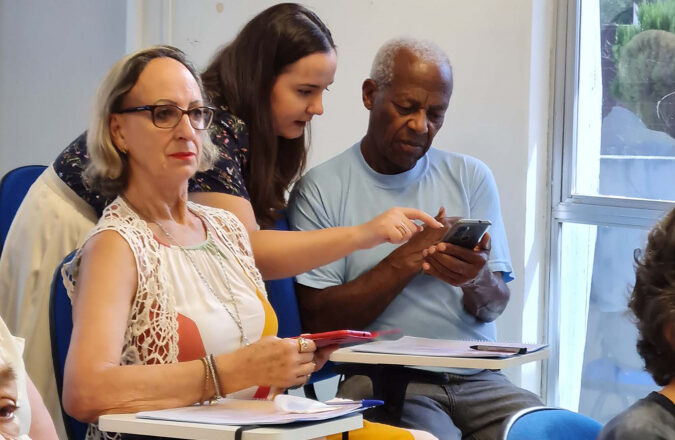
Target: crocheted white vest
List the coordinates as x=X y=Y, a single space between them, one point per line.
x=152 y=328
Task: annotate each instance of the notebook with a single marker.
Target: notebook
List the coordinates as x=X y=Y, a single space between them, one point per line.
x=413 y=346
x=227 y=411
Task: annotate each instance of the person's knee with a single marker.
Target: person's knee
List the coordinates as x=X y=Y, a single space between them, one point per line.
x=424 y=413
x=356 y=387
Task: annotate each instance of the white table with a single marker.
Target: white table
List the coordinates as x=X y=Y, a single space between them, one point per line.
x=348 y=355
x=390 y=374
x=129 y=424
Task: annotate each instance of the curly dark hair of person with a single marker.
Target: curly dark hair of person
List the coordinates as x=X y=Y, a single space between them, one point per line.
x=241 y=77
x=653 y=301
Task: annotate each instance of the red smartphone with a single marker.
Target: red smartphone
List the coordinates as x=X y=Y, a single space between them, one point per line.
x=339 y=337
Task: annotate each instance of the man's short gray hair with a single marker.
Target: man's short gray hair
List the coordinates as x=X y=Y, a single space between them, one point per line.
x=382 y=71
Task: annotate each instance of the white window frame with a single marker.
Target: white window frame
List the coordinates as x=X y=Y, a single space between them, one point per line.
x=567 y=207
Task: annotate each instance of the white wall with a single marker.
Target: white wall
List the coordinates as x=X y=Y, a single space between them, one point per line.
x=500 y=51
x=53 y=54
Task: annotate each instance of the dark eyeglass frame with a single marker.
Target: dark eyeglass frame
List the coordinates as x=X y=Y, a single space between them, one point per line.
x=659 y=111
x=151 y=109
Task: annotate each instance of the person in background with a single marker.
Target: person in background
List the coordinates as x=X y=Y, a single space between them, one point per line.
x=23 y=414
x=266 y=86
x=652 y=303
x=426 y=288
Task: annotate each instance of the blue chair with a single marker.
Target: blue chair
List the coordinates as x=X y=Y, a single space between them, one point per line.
x=544 y=422
x=13 y=189
x=281 y=294
x=60 y=328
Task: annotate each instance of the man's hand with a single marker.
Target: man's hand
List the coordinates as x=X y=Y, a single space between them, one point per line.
x=454 y=264
x=409 y=257
x=485 y=293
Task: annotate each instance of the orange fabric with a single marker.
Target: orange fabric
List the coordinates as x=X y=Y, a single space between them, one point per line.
x=270 y=328
x=375 y=431
x=271 y=322
x=190 y=344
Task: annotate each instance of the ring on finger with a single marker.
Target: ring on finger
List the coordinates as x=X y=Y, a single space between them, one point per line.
x=405 y=227
x=303 y=345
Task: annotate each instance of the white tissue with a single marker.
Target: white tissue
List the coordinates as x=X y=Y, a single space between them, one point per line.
x=302 y=405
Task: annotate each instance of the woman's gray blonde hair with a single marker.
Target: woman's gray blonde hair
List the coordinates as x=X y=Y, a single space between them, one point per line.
x=107 y=170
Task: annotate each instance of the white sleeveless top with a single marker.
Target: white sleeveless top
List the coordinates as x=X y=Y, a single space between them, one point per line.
x=213 y=315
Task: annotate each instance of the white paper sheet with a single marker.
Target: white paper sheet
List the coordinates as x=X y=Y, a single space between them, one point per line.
x=247 y=412
x=410 y=345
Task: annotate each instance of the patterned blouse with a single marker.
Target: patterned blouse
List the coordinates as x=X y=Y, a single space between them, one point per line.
x=228 y=133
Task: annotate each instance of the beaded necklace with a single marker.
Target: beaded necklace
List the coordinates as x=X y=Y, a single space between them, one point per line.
x=211 y=247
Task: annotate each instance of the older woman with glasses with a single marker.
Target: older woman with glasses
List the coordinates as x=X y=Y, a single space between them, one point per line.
x=168 y=307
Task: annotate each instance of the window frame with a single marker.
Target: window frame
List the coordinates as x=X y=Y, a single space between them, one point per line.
x=567 y=207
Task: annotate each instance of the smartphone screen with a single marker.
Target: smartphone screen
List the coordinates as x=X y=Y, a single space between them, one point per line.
x=466 y=232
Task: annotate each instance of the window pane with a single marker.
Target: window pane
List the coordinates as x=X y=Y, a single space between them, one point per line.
x=626 y=101
x=602 y=364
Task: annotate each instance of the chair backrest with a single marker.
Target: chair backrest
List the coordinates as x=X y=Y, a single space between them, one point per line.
x=60 y=328
x=281 y=294
x=13 y=189
x=552 y=424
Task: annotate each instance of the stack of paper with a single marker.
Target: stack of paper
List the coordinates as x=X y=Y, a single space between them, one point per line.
x=284 y=409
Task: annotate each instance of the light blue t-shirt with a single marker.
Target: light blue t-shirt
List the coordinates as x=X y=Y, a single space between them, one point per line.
x=345 y=191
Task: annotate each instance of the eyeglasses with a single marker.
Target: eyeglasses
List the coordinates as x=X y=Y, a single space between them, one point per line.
x=665 y=109
x=169 y=115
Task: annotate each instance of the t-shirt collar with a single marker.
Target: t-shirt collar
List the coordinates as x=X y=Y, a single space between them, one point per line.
x=393 y=181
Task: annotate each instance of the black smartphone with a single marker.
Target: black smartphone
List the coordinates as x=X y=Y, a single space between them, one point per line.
x=466 y=232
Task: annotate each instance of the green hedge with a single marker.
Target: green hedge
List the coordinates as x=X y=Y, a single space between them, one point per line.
x=659 y=15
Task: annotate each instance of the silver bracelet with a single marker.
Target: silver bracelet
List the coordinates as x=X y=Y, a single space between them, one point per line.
x=212 y=366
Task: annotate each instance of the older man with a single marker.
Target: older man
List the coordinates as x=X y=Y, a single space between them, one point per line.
x=427 y=288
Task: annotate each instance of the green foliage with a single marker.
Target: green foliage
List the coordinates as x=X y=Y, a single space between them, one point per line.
x=616 y=11
x=646 y=73
x=657 y=15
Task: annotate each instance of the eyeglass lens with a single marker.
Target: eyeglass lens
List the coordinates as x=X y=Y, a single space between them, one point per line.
x=667 y=109
x=168 y=116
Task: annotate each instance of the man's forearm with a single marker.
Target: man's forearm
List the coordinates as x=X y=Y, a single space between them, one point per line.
x=355 y=304
x=486 y=296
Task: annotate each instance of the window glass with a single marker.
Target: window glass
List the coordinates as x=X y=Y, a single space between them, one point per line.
x=613 y=375
x=603 y=368
x=626 y=99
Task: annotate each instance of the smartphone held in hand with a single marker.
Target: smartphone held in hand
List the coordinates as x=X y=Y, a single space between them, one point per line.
x=466 y=232
x=342 y=337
